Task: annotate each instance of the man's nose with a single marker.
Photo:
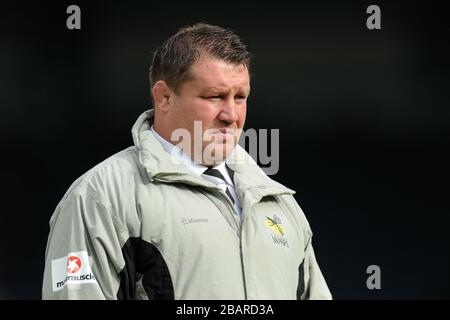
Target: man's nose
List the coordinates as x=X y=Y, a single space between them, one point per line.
x=228 y=112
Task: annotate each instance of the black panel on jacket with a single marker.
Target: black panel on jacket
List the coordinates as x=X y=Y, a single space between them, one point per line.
x=144 y=258
x=301 y=280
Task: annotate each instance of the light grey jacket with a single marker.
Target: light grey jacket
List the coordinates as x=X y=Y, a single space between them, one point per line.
x=140 y=225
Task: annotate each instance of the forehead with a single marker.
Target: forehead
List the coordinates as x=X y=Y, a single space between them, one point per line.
x=211 y=73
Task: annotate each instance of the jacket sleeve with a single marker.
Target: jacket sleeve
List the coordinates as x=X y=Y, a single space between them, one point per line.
x=316 y=286
x=312 y=284
x=83 y=256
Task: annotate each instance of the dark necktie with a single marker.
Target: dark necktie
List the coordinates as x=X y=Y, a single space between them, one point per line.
x=216 y=173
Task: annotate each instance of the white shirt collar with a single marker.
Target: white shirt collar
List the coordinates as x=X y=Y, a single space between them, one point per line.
x=193 y=166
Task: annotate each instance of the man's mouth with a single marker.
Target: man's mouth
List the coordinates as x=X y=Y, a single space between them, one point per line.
x=222 y=134
x=228 y=131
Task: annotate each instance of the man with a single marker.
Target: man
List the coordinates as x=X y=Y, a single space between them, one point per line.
x=185 y=213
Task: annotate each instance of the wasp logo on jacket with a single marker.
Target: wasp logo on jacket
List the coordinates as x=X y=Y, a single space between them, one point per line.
x=275 y=225
x=71 y=269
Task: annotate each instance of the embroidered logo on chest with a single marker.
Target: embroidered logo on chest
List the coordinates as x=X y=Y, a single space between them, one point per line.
x=276 y=226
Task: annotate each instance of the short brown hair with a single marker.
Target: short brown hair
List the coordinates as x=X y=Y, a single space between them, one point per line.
x=172 y=60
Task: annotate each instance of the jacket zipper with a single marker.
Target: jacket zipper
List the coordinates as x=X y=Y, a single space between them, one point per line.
x=240 y=238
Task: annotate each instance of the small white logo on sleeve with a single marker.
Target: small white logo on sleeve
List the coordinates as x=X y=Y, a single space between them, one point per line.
x=72 y=269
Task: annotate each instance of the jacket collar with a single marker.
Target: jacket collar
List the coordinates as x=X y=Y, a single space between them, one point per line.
x=250 y=180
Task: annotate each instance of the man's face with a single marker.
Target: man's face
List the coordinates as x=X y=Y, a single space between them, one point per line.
x=216 y=95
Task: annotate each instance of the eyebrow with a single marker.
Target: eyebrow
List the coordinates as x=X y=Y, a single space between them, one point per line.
x=224 y=89
x=215 y=88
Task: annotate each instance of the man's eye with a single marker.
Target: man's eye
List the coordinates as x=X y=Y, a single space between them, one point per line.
x=240 y=97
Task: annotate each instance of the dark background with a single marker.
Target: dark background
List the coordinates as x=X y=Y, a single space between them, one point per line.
x=363 y=116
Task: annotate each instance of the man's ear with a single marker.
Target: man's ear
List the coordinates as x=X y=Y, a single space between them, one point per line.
x=161 y=93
